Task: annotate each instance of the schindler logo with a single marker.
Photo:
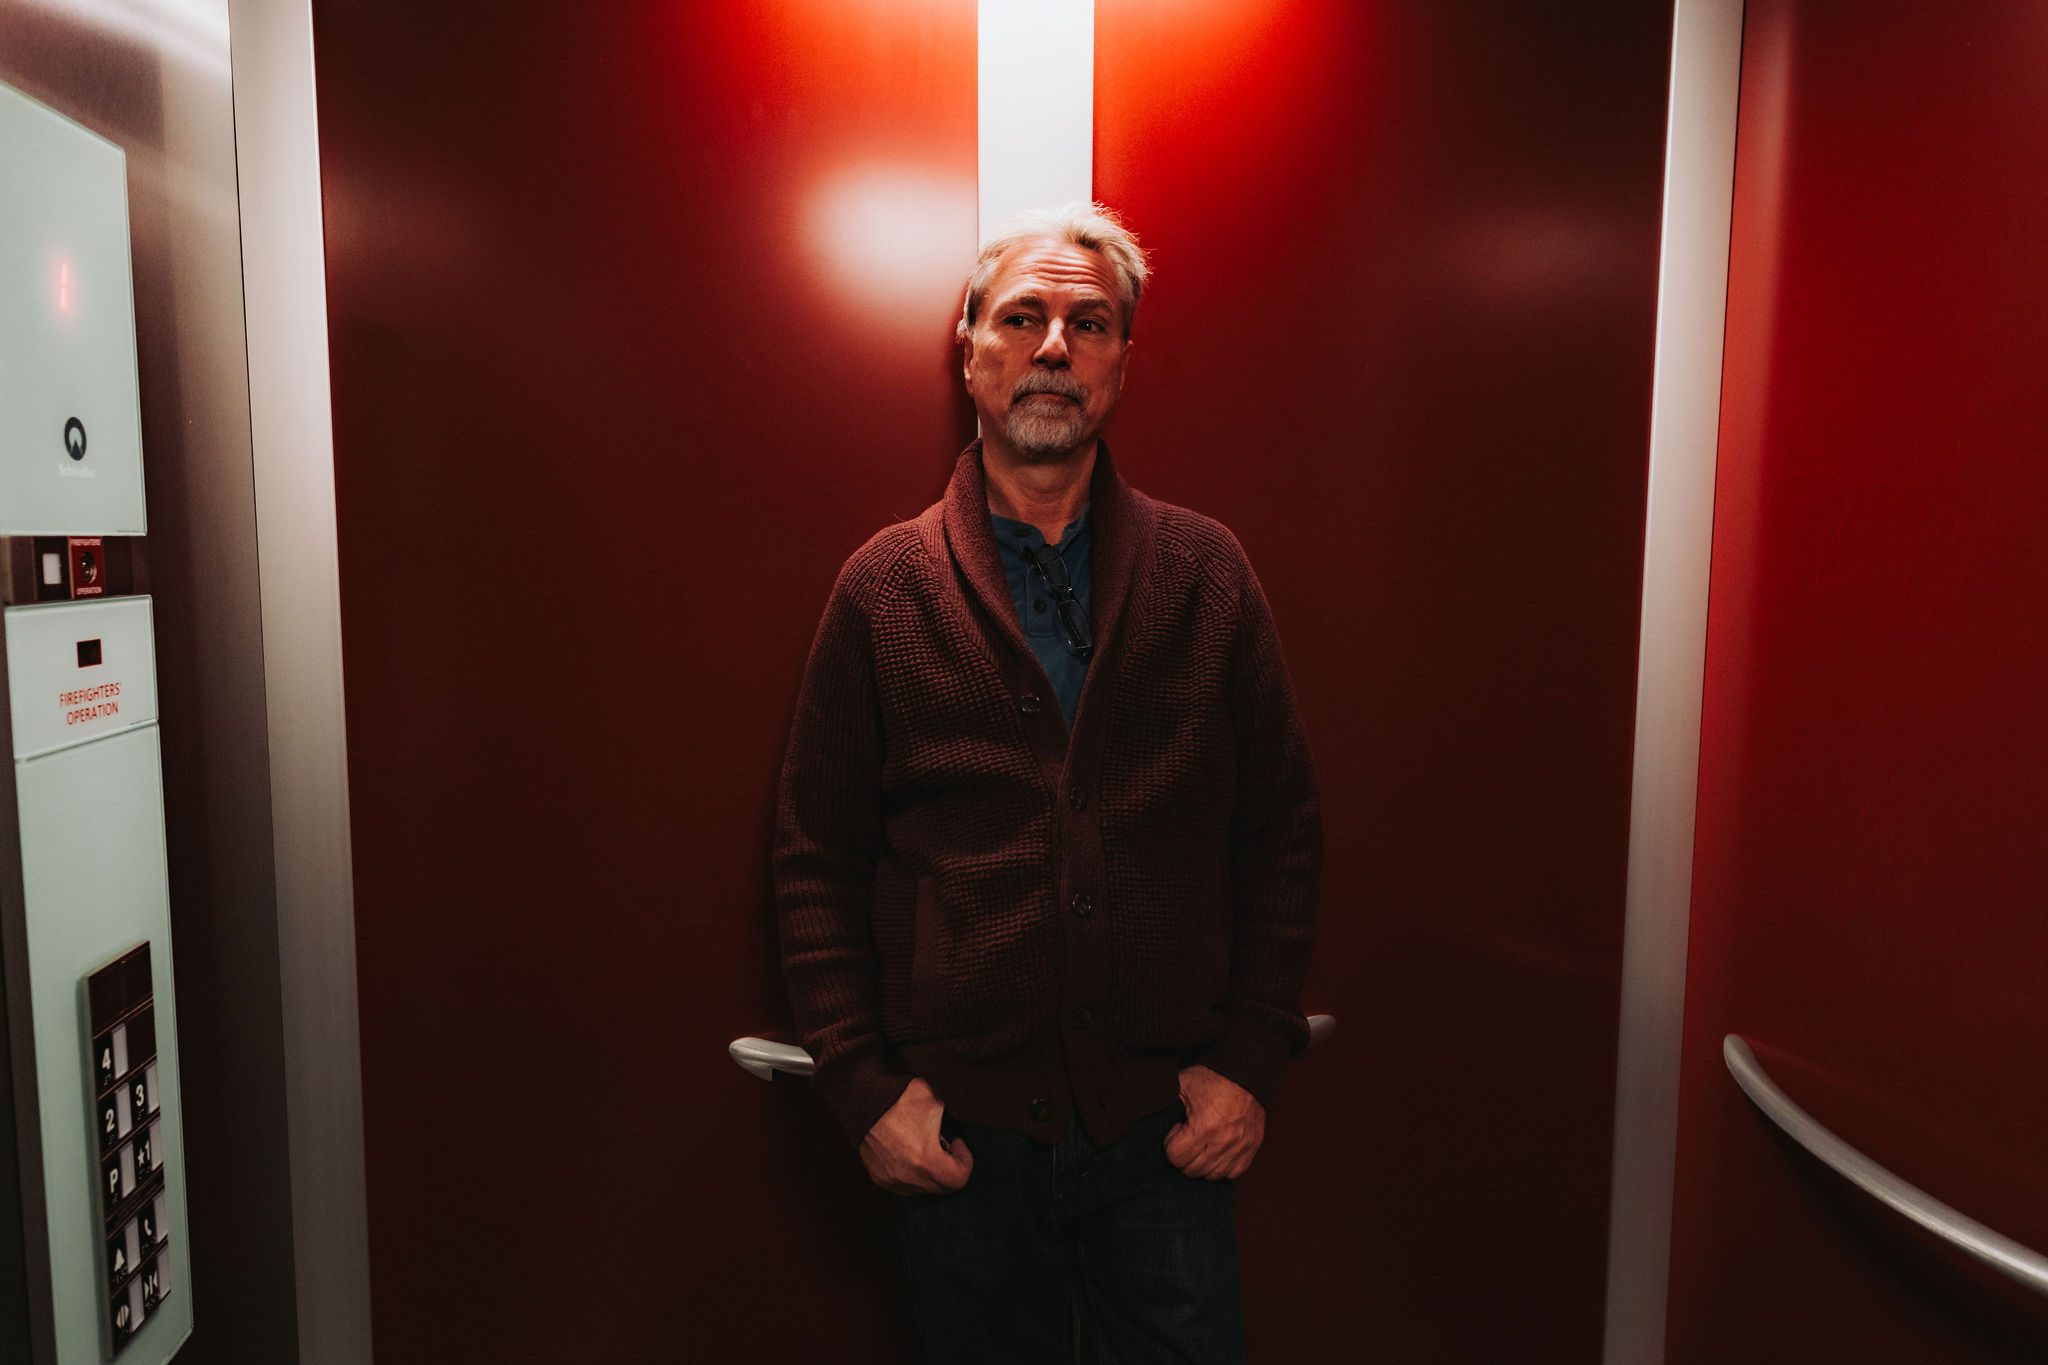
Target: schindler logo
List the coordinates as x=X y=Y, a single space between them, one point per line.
x=74 y=438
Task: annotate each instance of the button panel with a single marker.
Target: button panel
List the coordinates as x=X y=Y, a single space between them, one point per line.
x=121 y=1002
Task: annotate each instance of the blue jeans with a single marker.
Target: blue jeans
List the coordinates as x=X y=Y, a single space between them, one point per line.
x=1147 y=1255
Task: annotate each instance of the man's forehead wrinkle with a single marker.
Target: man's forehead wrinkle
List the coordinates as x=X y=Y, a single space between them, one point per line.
x=1030 y=298
x=1060 y=266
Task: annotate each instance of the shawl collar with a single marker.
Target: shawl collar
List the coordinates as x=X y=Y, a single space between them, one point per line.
x=1123 y=523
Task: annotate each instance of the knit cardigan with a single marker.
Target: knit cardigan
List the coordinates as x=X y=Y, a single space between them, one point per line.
x=1042 y=924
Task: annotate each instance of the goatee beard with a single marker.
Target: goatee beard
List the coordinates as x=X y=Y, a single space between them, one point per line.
x=1047 y=432
x=1044 y=437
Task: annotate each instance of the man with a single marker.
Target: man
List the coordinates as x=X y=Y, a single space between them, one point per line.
x=1047 y=853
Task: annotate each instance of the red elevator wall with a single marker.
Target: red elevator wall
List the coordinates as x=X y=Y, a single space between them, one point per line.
x=1401 y=342
x=1870 y=864
x=612 y=404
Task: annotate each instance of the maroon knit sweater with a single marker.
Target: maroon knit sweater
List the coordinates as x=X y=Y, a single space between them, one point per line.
x=1036 y=923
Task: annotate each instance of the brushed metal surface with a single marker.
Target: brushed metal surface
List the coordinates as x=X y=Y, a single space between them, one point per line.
x=1692 y=286
x=277 y=154
x=154 y=77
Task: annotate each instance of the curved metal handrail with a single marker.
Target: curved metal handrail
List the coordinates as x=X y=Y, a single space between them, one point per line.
x=764 y=1057
x=1966 y=1234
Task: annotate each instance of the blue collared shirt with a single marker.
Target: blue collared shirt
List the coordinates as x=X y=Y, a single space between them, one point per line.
x=1036 y=610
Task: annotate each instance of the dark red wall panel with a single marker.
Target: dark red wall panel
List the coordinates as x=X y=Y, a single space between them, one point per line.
x=612 y=404
x=1400 y=341
x=640 y=319
x=1874 y=763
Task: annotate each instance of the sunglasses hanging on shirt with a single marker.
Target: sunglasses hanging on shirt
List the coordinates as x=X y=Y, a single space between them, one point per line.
x=1053 y=569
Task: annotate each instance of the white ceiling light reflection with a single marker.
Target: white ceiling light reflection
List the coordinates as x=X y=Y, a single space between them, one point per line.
x=894 y=243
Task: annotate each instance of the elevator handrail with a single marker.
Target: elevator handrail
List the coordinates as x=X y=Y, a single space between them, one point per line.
x=1966 y=1234
x=764 y=1057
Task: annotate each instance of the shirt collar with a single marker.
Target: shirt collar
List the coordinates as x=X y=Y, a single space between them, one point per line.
x=1121 y=524
x=1011 y=533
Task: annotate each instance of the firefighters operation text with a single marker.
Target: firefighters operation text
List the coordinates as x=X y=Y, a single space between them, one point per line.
x=90 y=703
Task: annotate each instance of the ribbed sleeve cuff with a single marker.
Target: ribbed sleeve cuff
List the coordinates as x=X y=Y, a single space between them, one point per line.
x=859 y=1089
x=1252 y=1054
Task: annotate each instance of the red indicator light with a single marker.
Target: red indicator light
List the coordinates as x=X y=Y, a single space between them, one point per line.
x=64 y=287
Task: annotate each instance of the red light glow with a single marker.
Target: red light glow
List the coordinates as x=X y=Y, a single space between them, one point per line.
x=64 y=287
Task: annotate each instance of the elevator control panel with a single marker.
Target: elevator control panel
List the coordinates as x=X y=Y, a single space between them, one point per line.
x=85 y=933
x=128 y=1115
x=99 y=976
x=70 y=415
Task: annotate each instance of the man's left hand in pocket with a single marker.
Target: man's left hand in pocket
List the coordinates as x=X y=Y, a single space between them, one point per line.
x=1224 y=1127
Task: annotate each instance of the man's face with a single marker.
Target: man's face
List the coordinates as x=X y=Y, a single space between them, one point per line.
x=1045 y=360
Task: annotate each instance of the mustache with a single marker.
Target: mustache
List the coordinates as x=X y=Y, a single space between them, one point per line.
x=1049 y=381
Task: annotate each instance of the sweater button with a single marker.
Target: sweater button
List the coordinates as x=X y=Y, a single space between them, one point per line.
x=1040 y=1110
x=1083 y=1017
x=1078 y=799
x=1083 y=906
x=1029 y=704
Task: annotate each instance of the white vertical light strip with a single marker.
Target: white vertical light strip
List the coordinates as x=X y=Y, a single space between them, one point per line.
x=1035 y=62
x=1692 y=293
x=291 y=427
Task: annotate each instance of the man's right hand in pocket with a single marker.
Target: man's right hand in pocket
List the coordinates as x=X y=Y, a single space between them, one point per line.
x=904 y=1153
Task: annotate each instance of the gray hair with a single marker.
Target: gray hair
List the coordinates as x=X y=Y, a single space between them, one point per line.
x=1094 y=227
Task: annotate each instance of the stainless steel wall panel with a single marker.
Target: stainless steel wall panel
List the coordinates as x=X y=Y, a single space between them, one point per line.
x=153 y=76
